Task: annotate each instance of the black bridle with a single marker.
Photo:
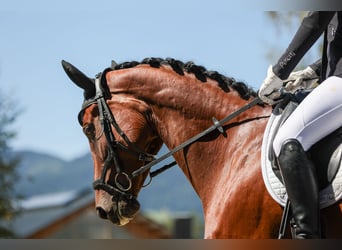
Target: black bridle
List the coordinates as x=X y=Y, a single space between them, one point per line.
x=107 y=120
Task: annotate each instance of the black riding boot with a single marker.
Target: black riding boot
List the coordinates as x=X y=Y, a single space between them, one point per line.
x=299 y=176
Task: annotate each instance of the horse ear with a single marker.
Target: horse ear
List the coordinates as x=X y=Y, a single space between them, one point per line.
x=80 y=79
x=113 y=64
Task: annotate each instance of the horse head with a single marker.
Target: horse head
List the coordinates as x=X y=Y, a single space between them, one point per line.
x=121 y=139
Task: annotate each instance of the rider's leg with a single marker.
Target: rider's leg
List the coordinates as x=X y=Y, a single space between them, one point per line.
x=299 y=176
x=317 y=116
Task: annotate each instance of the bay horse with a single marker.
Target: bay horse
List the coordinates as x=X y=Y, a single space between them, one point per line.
x=134 y=108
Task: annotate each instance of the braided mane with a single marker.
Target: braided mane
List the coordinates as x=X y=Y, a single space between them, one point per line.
x=200 y=72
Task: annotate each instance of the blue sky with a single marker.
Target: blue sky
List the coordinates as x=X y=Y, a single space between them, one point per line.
x=36 y=35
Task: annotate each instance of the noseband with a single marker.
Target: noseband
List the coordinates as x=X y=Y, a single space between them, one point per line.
x=107 y=120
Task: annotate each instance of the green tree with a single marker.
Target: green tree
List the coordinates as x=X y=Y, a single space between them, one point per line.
x=8 y=174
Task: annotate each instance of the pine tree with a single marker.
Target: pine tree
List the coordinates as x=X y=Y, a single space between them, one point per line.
x=8 y=175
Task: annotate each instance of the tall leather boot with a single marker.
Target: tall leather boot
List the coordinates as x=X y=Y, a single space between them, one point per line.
x=299 y=177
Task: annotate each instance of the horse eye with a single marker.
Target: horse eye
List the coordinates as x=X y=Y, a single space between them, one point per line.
x=89 y=130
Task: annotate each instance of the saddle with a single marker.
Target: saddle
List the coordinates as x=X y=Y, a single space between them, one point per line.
x=325 y=154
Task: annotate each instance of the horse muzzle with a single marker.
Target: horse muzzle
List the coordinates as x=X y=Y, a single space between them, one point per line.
x=119 y=210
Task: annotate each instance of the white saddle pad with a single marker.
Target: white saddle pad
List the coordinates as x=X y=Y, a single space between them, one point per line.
x=328 y=196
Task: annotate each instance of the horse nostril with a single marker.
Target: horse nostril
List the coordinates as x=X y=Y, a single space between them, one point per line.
x=101 y=212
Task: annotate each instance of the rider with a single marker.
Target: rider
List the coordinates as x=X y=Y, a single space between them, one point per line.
x=318 y=115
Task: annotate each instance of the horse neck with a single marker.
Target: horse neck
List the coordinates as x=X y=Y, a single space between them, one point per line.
x=177 y=101
x=182 y=107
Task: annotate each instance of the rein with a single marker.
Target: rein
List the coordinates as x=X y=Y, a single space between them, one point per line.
x=107 y=120
x=217 y=125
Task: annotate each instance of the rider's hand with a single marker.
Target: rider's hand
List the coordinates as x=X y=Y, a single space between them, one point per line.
x=302 y=78
x=269 y=90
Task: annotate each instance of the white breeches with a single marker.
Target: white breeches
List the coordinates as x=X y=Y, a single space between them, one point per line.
x=319 y=114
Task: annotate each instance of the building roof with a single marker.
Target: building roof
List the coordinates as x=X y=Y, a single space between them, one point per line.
x=42 y=215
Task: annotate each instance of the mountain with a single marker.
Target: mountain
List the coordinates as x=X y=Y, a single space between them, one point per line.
x=43 y=173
